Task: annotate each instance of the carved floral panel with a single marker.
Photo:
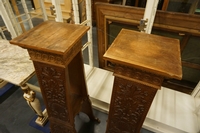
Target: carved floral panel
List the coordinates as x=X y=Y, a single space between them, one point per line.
x=130 y=104
x=52 y=82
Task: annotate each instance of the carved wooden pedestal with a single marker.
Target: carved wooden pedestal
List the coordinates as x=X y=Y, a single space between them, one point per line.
x=141 y=61
x=55 y=49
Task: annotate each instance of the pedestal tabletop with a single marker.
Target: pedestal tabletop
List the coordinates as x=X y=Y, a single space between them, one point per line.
x=51 y=37
x=153 y=53
x=141 y=61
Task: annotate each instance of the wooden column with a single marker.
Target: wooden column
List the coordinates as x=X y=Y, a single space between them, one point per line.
x=55 y=49
x=141 y=61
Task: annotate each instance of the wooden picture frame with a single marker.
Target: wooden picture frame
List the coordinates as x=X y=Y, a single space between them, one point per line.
x=186 y=25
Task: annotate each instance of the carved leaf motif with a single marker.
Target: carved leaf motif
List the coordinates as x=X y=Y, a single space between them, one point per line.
x=45 y=57
x=130 y=100
x=139 y=75
x=52 y=82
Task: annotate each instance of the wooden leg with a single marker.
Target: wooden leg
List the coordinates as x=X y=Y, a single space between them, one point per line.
x=76 y=73
x=87 y=109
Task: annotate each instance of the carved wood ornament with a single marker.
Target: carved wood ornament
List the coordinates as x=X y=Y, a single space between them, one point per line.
x=138 y=75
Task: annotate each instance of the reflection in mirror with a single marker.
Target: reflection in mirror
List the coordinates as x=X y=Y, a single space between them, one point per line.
x=191 y=60
x=197 y=11
x=114 y=28
x=184 y=6
x=138 y=3
x=190 y=74
x=191 y=52
x=167 y=34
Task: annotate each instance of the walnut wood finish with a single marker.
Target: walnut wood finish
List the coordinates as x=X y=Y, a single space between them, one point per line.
x=55 y=49
x=138 y=75
x=94 y=8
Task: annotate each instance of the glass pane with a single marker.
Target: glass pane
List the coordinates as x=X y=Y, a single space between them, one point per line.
x=85 y=56
x=179 y=6
x=167 y=34
x=190 y=74
x=184 y=6
x=114 y=29
x=197 y=11
x=191 y=52
x=142 y=3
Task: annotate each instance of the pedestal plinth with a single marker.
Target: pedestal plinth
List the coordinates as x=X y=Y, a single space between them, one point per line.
x=141 y=61
x=55 y=49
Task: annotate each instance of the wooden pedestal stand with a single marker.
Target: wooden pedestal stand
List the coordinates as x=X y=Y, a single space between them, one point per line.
x=55 y=49
x=141 y=61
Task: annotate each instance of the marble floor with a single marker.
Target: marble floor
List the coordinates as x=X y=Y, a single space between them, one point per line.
x=16 y=116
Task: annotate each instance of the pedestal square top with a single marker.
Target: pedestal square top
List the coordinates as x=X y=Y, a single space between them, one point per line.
x=51 y=36
x=156 y=54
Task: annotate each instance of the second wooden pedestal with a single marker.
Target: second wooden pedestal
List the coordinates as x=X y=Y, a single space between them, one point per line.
x=141 y=61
